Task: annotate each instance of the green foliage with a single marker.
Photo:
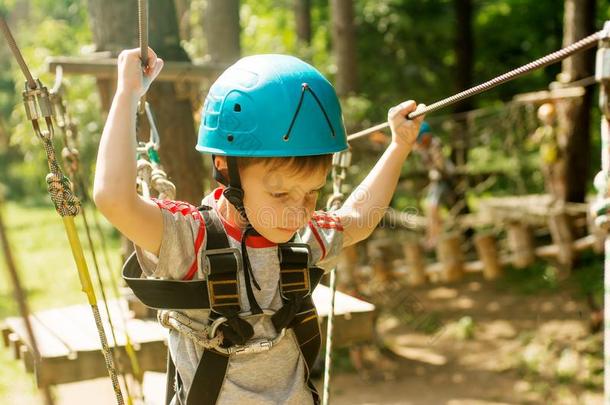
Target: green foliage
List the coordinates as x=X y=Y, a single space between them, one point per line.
x=405 y=50
x=44 y=259
x=49 y=28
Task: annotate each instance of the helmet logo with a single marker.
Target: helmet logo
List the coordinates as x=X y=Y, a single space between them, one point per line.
x=305 y=87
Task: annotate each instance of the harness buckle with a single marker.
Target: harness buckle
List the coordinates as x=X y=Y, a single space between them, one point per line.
x=294 y=269
x=223 y=291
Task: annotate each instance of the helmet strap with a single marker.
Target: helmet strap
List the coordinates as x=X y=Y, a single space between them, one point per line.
x=233 y=191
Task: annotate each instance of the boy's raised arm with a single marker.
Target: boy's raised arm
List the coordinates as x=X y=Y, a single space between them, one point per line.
x=367 y=204
x=114 y=188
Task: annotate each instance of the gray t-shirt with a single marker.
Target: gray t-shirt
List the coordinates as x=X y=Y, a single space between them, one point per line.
x=273 y=377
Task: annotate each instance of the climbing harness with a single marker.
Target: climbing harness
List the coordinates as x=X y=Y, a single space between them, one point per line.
x=227 y=332
x=38 y=108
x=340 y=164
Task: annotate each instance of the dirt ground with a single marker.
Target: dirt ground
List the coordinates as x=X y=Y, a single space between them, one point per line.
x=467 y=343
x=475 y=343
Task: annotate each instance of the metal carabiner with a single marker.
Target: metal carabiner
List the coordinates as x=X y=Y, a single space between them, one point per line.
x=255 y=345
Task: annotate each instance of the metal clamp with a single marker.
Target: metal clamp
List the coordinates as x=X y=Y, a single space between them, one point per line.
x=255 y=345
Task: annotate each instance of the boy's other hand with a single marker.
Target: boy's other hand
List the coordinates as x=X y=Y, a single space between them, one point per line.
x=133 y=78
x=404 y=130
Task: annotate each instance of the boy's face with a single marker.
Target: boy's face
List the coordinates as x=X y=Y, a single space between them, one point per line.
x=279 y=201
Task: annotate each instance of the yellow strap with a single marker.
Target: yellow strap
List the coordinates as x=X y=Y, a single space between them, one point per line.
x=79 y=258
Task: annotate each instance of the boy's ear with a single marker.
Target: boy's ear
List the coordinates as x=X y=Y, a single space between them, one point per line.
x=220 y=162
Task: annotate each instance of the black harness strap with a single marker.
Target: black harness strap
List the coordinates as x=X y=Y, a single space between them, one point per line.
x=220 y=293
x=297 y=281
x=223 y=293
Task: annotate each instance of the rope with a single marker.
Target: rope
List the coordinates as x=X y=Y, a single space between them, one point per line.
x=38 y=107
x=199 y=333
x=143 y=39
x=341 y=162
x=70 y=156
x=551 y=58
x=143 y=30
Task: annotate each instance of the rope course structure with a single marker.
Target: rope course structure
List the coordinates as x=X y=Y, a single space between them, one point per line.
x=39 y=108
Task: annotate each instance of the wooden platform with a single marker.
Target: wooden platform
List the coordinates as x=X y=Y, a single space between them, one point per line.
x=69 y=344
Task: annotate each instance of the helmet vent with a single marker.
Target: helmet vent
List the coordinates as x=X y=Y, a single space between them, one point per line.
x=237 y=107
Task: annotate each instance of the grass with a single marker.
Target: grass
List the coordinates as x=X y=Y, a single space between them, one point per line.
x=44 y=260
x=48 y=274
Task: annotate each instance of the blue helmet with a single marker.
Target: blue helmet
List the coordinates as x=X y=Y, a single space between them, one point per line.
x=423 y=129
x=271 y=106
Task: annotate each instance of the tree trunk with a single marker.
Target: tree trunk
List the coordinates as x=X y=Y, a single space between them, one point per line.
x=302 y=14
x=344 y=44
x=114 y=24
x=183 y=12
x=464 y=47
x=222 y=31
x=574 y=116
x=221 y=23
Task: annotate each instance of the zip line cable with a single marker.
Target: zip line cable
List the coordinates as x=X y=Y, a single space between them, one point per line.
x=549 y=59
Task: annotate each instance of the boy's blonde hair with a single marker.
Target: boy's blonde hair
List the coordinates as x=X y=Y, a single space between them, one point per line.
x=295 y=164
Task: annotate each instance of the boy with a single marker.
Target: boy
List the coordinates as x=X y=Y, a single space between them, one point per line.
x=440 y=190
x=272 y=123
x=551 y=159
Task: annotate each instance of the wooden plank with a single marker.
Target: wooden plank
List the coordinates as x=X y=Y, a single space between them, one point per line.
x=344 y=304
x=5 y=330
x=15 y=344
x=547 y=251
x=48 y=343
x=476 y=266
x=354 y=318
x=69 y=343
x=585 y=243
x=545 y=96
x=74 y=326
x=106 y=68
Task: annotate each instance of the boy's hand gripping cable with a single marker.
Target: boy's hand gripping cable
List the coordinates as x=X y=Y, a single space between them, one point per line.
x=38 y=108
